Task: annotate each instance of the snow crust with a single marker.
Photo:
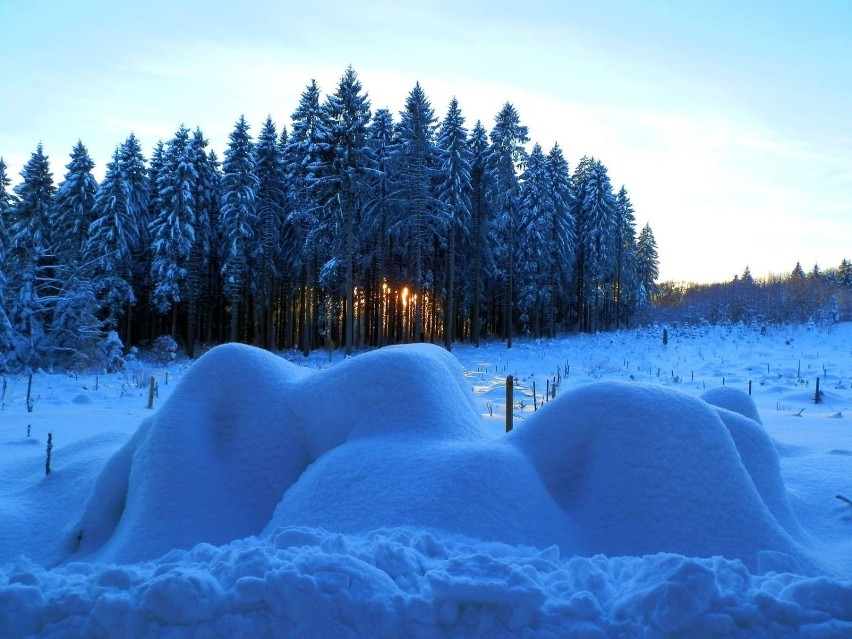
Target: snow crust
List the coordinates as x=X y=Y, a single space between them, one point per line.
x=371 y=499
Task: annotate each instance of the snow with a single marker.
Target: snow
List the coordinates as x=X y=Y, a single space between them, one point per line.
x=379 y=496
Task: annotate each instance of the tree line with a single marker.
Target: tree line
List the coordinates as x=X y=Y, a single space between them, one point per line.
x=818 y=296
x=352 y=229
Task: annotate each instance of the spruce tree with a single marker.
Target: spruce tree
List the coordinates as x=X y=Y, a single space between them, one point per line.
x=206 y=202
x=173 y=229
x=344 y=160
x=131 y=164
x=478 y=144
x=563 y=232
x=380 y=213
x=625 y=262
x=302 y=249
x=454 y=194
x=506 y=157
x=112 y=237
x=597 y=237
x=414 y=168
x=647 y=263
x=535 y=237
x=238 y=217
x=31 y=277
x=73 y=207
x=271 y=206
x=7 y=203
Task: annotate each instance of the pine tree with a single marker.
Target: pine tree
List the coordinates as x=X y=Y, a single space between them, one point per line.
x=72 y=207
x=506 y=157
x=625 y=269
x=173 y=229
x=647 y=263
x=597 y=233
x=31 y=262
x=205 y=205
x=135 y=176
x=112 y=237
x=238 y=217
x=414 y=168
x=7 y=207
x=454 y=193
x=31 y=232
x=344 y=160
x=478 y=144
x=301 y=246
x=271 y=204
x=535 y=237
x=379 y=213
x=7 y=204
x=563 y=232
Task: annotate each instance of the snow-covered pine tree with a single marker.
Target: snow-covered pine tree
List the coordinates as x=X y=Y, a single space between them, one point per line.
x=647 y=264
x=301 y=247
x=173 y=229
x=7 y=203
x=30 y=260
x=479 y=147
x=271 y=204
x=535 y=237
x=414 y=167
x=135 y=176
x=72 y=207
x=625 y=261
x=563 y=233
x=454 y=194
x=7 y=207
x=506 y=157
x=31 y=232
x=238 y=216
x=379 y=214
x=206 y=201
x=344 y=160
x=112 y=237
x=597 y=237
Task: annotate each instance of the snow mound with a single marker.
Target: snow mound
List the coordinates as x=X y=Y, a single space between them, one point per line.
x=241 y=427
x=733 y=400
x=647 y=469
x=249 y=442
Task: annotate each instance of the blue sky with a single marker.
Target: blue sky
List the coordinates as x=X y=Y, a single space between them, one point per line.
x=728 y=122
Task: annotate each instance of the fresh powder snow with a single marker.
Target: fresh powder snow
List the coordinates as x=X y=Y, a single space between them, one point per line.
x=380 y=496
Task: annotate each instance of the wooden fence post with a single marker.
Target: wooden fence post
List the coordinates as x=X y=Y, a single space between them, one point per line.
x=510 y=402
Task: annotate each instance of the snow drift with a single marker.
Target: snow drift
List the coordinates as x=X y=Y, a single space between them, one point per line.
x=249 y=443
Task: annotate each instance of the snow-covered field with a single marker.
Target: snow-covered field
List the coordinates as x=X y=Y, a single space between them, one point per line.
x=381 y=497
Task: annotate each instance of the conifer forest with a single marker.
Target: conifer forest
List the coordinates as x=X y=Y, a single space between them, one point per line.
x=343 y=228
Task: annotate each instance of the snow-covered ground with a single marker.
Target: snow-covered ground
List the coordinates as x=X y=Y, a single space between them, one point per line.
x=380 y=496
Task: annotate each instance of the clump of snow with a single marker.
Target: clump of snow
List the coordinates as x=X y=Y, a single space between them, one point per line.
x=405 y=582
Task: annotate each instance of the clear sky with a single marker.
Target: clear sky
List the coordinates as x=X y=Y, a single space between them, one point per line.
x=727 y=121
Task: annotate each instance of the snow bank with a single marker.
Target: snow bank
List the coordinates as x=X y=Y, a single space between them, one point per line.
x=411 y=583
x=240 y=429
x=248 y=443
x=647 y=469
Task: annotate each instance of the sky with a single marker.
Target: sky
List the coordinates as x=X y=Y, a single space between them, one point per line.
x=727 y=122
